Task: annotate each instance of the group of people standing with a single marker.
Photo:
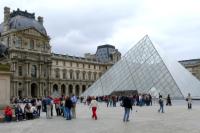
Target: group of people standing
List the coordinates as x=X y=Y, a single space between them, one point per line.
x=65 y=106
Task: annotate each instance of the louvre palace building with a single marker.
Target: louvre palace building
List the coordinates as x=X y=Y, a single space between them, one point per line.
x=36 y=71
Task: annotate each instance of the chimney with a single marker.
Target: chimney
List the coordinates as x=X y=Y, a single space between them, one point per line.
x=40 y=20
x=6 y=17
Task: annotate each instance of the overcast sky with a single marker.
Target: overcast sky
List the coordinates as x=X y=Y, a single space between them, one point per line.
x=79 y=26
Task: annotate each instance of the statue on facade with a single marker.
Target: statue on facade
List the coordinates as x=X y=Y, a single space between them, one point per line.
x=3 y=51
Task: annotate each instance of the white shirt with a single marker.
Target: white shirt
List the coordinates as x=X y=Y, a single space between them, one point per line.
x=39 y=103
x=94 y=103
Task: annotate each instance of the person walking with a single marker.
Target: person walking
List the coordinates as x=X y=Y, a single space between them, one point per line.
x=168 y=101
x=189 y=101
x=74 y=101
x=161 y=103
x=126 y=103
x=68 y=106
x=94 y=106
x=38 y=105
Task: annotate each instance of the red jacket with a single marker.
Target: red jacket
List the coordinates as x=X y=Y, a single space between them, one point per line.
x=8 y=111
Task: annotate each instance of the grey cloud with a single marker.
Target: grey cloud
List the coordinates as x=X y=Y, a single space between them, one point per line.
x=84 y=30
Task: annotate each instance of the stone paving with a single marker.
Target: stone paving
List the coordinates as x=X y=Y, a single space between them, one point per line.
x=176 y=119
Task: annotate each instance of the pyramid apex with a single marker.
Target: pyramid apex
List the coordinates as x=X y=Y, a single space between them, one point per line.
x=146 y=36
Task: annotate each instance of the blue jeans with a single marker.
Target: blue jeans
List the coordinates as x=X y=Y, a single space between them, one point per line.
x=161 y=108
x=68 y=113
x=126 y=114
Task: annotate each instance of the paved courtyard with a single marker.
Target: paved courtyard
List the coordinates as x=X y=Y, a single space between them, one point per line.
x=176 y=119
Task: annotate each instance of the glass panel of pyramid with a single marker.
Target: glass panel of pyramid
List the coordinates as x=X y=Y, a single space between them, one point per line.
x=147 y=69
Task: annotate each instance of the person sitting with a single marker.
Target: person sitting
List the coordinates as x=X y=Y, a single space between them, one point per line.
x=28 y=112
x=34 y=112
x=19 y=113
x=8 y=114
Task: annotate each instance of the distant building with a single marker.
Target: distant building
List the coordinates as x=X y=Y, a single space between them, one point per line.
x=36 y=71
x=193 y=66
x=107 y=53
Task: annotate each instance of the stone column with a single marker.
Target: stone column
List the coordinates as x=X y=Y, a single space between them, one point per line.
x=26 y=89
x=29 y=89
x=66 y=89
x=12 y=89
x=73 y=91
x=38 y=89
x=59 y=88
x=16 y=85
x=81 y=89
x=50 y=89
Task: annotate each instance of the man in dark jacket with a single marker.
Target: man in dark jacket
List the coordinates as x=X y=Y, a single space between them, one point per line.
x=68 y=106
x=127 y=107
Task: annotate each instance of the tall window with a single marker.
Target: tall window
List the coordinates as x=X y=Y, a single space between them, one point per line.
x=56 y=62
x=45 y=71
x=89 y=75
x=95 y=76
x=31 y=44
x=34 y=71
x=64 y=74
x=100 y=74
x=8 y=41
x=77 y=75
x=83 y=75
x=57 y=73
x=18 y=42
x=20 y=70
x=43 y=46
x=71 y=74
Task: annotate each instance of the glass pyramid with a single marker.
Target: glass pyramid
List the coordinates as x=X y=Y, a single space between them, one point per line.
x=145 y=68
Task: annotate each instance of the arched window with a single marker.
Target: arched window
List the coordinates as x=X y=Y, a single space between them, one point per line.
x=34 y=71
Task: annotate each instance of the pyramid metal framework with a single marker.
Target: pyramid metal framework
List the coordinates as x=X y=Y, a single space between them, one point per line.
x=145 y=68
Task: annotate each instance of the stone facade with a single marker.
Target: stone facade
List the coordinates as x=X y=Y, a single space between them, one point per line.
x=36 y=71
x=5 y=85
x=193 y=66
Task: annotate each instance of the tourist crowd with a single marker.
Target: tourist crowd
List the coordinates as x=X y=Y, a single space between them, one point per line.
x=65 y=106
